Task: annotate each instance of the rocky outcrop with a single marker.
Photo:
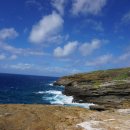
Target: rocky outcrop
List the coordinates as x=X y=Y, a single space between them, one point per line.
x=42 y=117
x=110 y=88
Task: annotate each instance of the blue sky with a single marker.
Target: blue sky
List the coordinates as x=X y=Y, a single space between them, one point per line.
x=62 y=37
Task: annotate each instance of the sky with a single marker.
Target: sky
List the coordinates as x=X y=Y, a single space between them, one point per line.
x=63 y=37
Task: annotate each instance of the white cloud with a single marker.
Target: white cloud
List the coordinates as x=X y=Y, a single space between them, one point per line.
x=66 y=50
x=20 y=51
x=56 y=70
x=124 y=57
x=88 y=48
x=7 y=33
x=59 y=5
x=95 y=25
x=13 y=57
x=2 y=56
x=126 y=18
x=46 y=28
x=47 y=70
x=55 y=39
x=87 y=6
x=102 y=60
x=21 y=66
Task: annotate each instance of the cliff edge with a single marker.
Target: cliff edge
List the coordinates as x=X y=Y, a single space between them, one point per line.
x=107 y=88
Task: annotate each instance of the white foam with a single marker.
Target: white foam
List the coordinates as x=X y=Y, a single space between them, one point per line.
x=83 y=105
x=53 y=92
x=40 y=92
x=62 y=100
x=51 y=84
x=57 y=98
x=49 y=92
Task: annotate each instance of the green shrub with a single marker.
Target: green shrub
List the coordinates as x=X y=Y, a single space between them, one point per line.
x=97 y=84
x=121 y=77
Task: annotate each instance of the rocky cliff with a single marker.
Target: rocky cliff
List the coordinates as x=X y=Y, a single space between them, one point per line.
x=109 y=88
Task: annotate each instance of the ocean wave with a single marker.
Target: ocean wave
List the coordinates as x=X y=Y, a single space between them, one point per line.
x=55 y=92
x=49 y=92
x=56 y=97
x=40 y=92
x=50 y=84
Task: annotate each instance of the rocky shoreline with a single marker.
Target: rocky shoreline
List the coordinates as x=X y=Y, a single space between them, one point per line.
x=42 y=117
x=108 y=89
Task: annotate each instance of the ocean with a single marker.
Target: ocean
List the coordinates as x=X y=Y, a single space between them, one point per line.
x=27 y=89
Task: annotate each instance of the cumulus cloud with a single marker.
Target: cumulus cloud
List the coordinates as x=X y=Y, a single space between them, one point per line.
x=2 y=56
x=12 y=52
x=102 y=60
x=8 y=33
x=89 y=48
x=59 y=5
x=67 y=50
x=87 y=6
x=46 y=28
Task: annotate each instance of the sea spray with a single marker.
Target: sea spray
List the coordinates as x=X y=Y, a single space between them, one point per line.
x=56 y=97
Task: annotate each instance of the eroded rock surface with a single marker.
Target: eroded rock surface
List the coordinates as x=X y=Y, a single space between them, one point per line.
x=110 y=88
x=41 y=117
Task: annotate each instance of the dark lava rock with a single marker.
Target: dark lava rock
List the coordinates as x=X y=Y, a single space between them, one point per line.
x=98 y=108
x=108 y=88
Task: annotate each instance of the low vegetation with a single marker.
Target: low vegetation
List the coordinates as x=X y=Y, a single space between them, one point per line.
x=98 y=77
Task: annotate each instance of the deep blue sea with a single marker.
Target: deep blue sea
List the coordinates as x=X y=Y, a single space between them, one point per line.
x=26 y=89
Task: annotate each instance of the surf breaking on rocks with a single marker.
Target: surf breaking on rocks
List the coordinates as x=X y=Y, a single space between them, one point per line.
x=56 y=97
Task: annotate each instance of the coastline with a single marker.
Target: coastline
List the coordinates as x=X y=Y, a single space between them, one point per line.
x=44 y=117
x=111 y=112
x=107 y=89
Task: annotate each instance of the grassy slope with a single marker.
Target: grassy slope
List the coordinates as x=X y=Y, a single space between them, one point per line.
x=102 y=75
